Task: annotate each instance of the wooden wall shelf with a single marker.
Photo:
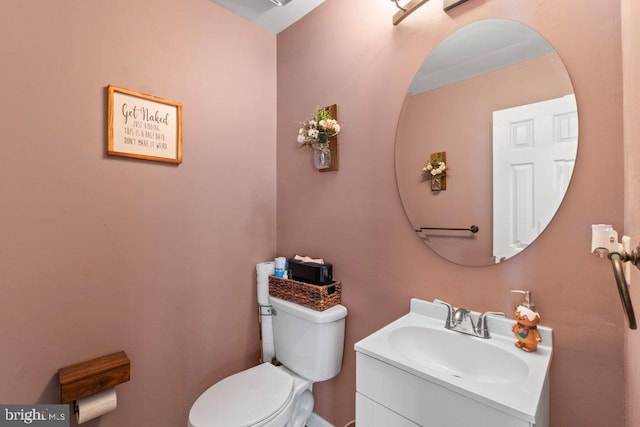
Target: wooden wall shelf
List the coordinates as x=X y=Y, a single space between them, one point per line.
x=333 y=142
x=93 y=376
x=443 y=179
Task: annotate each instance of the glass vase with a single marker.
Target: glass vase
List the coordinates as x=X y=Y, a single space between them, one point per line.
x=321 y=155
x=436 y=182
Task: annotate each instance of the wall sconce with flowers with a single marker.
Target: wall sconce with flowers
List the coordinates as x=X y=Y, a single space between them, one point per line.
x=320 y=134
x=435 y=169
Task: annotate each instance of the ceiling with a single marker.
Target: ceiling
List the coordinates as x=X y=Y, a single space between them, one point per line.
x=267 y=14
x=478 y=48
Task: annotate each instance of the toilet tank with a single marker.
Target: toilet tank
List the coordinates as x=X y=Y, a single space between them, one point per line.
x=309 y=342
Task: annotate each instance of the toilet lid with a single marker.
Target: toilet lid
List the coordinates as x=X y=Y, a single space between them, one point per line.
x=243 y=399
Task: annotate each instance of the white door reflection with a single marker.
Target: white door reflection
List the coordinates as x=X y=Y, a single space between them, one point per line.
x=534 y=151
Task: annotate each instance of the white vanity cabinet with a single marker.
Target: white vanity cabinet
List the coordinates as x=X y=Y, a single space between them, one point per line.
x=373 y=414
x=390 y=397
x=397 y=387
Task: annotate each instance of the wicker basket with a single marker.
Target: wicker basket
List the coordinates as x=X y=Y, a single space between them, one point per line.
x=317 y=297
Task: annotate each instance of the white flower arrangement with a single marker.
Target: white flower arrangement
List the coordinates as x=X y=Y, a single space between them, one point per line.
x=434 y=167
x=318 y=129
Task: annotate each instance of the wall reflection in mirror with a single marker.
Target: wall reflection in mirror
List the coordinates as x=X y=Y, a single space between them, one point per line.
x=497 y=98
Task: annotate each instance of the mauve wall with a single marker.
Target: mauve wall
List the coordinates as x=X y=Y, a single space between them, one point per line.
x=101 y=254
x=348 y=52
x=457 y=118
x=631 y=70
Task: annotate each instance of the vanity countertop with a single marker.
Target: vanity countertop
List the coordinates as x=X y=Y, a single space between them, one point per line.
x=491 y=371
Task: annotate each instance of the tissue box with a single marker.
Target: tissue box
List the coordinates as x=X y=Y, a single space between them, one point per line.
x=310 y=272
x=313 y=296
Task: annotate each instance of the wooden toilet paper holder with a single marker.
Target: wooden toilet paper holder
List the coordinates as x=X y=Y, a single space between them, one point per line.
x=93 y=376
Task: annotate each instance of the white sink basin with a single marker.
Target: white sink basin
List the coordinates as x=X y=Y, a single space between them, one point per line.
x=459 y=355
x=493 y=372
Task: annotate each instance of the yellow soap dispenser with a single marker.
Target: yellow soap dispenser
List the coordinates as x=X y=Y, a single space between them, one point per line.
x=526 y=327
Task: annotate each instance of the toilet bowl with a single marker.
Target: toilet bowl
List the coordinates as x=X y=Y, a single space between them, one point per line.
x=263 y=396
x=309 y=343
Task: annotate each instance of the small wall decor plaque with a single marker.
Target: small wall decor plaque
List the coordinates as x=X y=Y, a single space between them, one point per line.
x=435 y=170
x=144 y=126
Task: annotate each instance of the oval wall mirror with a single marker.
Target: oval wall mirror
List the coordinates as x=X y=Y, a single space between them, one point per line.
x=495 y=99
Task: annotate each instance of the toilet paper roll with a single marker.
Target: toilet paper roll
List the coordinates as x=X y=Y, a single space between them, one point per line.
x=268 y=346
x=98 y=404
x=264 y=270
x=263 y=293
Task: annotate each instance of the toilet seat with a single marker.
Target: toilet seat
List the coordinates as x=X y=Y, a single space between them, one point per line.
x=247 y=398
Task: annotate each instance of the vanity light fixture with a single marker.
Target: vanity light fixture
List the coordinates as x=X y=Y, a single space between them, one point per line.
x=406 y=9
x=398 y=5
x=448 y=4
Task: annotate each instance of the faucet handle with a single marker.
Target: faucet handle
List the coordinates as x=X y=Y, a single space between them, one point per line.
x=482 y=327
x=449 y=321
x=439 y=301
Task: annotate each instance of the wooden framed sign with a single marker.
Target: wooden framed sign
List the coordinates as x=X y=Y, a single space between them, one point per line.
x=144 y=126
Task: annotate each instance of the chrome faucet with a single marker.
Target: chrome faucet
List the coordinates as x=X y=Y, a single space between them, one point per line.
x=464 y=322
x=449 y=321
x=482 y=329
x=460 y=320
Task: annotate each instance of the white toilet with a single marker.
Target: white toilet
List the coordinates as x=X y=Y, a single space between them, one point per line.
x=309 y=345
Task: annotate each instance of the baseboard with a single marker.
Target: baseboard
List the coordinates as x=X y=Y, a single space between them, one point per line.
x=316 y=420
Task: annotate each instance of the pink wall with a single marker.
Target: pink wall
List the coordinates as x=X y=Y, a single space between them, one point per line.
x=443 y=119
x=101 y=254
x=349 y=53
x=631 y=99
